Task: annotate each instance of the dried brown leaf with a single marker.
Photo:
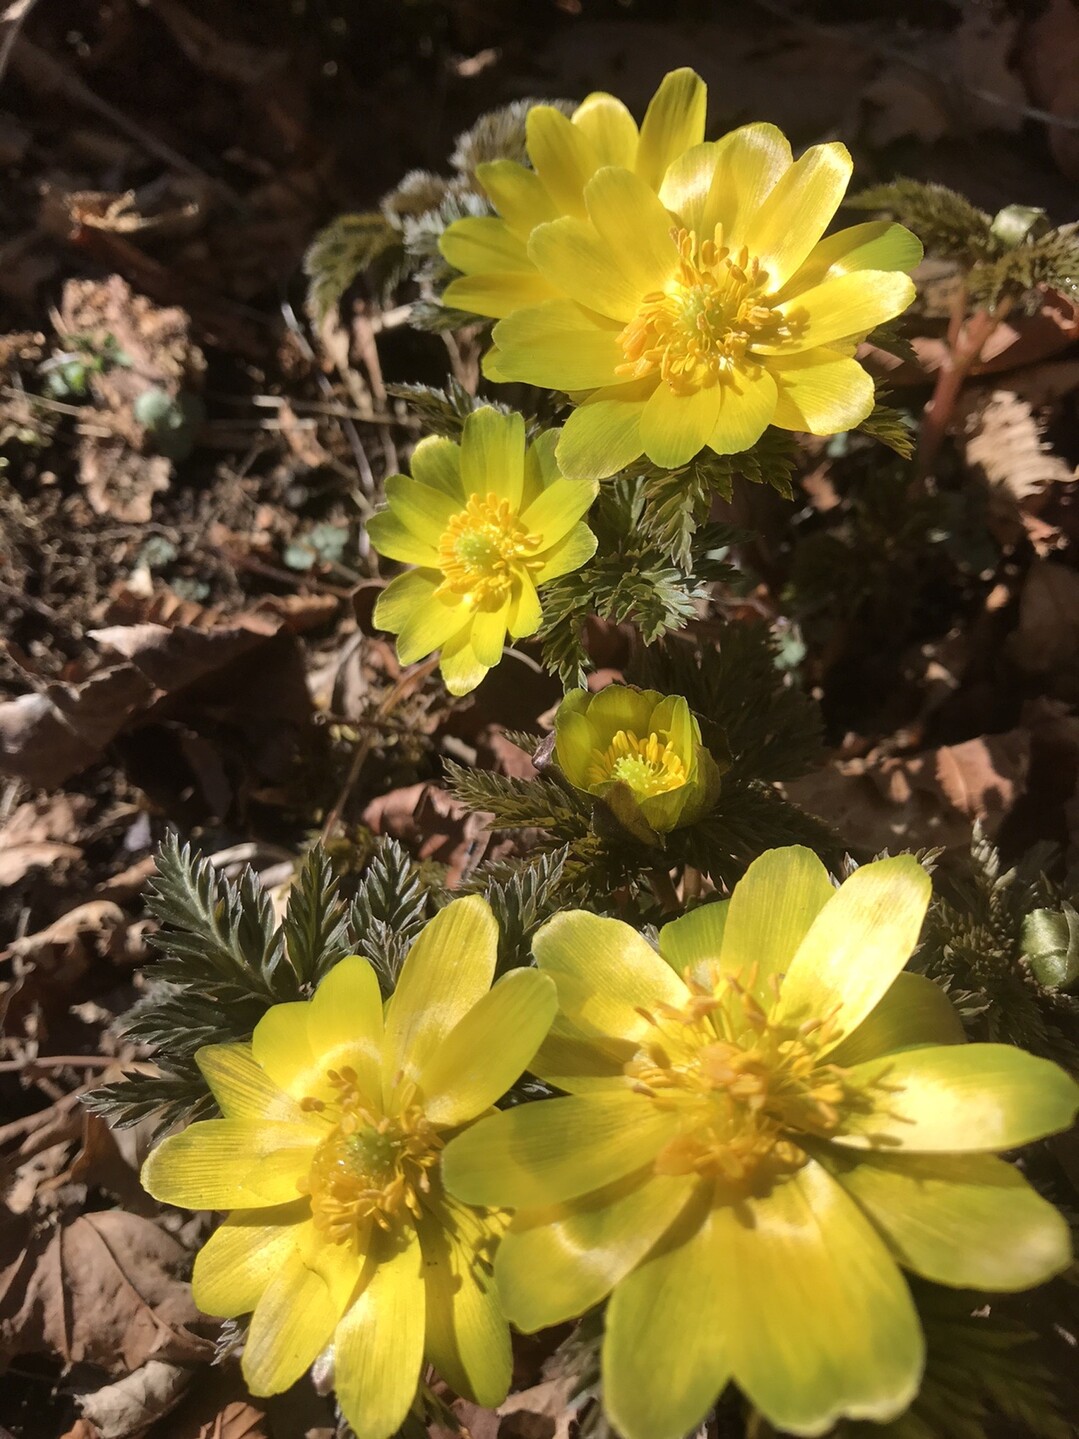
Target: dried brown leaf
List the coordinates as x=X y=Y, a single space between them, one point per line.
x=128 y=1407
x=102 y=1289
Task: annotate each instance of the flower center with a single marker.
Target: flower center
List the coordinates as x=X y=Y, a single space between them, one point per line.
x=698 y=330
x=649 y=766
x=744 y=1089
x=483 y=548
x=369 y=1168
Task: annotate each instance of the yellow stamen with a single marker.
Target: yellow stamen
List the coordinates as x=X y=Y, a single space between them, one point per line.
x=745 y=1089
x=370 y=1168
x=700 y=328
x=649 y=766
x=483 y=549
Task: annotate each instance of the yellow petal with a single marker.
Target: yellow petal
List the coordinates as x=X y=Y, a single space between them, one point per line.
x=407 y=596
x=292 y=1324
x=570 y=254
x=856 y=946
x=526 y=613
x=392 y=538
x=468 y=1339
x=669 y=1318
x=965 y=1220
x=235 y=1265
x=498 y=293
x=771 y=911
x=558 y=509
x=437 y=462
x=965 y=1098
x=848 y=305
x=603 y=435
x=582 y=1062
x=539 y=1154
x=610 y=128
x=556 y=1263
x=749 y=162
x=432 y=623
x=493 y=455
x=560 y=346
x=570 y=553
x=541 y=467
x=692 y=945
x=488 y=634
x=446 y=972
x=674 y=428
x=424 y=511
x=820 y=392
x=686 y=186
x=605 y=972
x=914 y=1012
x=281 y=1047
x=634 y=226
x=488 y=1049
x=874 y=245
x=673 y=122
x=819 y=1321
x=748 y=405
x=231 y=1164
x=344 y=1022
x=378 y=1347
x=242 y=1087
x=797 y=211
x=563 y=157
x=518 y=194
x=481 y=243
x=461 y=670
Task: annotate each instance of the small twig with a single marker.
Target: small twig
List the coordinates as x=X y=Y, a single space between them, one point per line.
x=966 y=341
x=664 y=890
x=409 y=681
x=29 y=1122
x=59 y=1061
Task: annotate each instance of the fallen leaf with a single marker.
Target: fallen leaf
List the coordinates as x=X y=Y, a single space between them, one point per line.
x=238 y=1420
x=128 y=1407
x=103 y=1289
x=434 y=824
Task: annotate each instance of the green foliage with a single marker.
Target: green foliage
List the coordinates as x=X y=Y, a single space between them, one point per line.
x=443 y=412
x=1049 y=262
x=523 y=896
x=945 y=222
x=1010 y=257
x=892 y=428
x=226 y=963
x=543 y=803
x=981 y=1370
x=390 y=908
x=630 y=577
x=974 y=945
x=677 y=502
x=350 y=246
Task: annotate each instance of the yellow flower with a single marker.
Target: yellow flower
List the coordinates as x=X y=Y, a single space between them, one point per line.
x=682 y=294
x=763 y=1122
x=640 y=752
x=485 y=521
x=328 y=1155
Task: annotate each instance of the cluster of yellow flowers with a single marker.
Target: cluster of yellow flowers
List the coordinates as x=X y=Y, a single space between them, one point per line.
x=680 y=293
x=765 y=1121
x=762 y=1125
